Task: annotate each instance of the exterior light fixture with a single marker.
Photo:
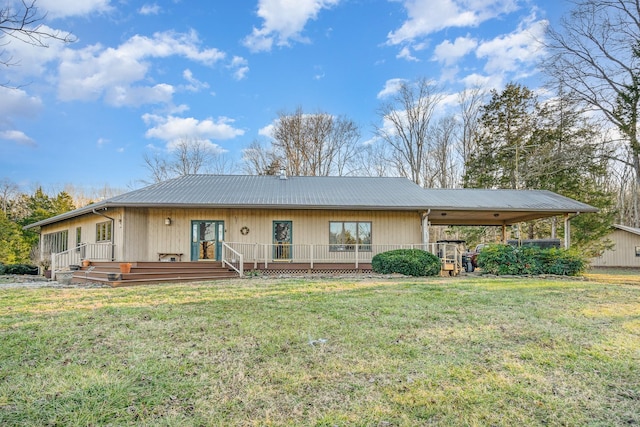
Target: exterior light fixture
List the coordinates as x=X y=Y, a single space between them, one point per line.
x=496 y=215
x=167 y=221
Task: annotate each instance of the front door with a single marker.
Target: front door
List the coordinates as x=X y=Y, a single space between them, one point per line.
x=282 y=239
x=206 y=240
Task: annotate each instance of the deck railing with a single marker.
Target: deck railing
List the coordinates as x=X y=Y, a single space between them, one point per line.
x=91 y=251
x=260 y=253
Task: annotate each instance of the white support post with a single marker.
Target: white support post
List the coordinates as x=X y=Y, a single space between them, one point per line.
x=311 y=255
x=53 y=266
x=357 y=246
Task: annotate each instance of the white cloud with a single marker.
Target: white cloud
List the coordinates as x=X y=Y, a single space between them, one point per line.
x=391 y=86
x=449 y=53
x=172 y=128
x=66 y=8
x=117 y=74
x=405 y=53
x=284 y=21
x=240 y=67
x=17 y=103
x=509 y=52
x=17 y=136
x=149 y=9
x=429 y=16
x=195 y=85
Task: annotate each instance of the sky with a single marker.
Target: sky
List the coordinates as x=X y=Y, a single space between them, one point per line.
x=142 y=75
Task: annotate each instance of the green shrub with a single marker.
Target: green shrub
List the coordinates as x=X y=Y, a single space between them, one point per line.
x=20 y=269
x=410 y=262
x=506 y=259
x=2 y=268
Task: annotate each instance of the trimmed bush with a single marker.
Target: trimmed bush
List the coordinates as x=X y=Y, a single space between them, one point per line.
x=20 y=269
x=2 y=268
x=509 y=260
x=410 y=262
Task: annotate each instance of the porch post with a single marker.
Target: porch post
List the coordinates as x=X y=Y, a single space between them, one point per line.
x=504 y=233
x=567 y=231
x=357 y=255
x=425 y=229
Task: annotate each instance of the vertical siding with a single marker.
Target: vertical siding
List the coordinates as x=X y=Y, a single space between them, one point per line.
x=88 y=223
x=147 y=234
x=623 y=253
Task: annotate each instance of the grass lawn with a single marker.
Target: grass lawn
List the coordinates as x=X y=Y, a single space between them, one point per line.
x=406 y=352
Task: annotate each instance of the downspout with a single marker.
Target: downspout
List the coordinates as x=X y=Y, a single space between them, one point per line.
x=425 y=229
x=567 y=229
x=113 y=229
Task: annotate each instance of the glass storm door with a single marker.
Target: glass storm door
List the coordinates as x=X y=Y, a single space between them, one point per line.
x=206 y=240
x=282 y=239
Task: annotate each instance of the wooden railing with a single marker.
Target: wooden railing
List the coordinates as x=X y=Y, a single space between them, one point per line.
x=91 y=251
x=232 y=258
x=261 y=253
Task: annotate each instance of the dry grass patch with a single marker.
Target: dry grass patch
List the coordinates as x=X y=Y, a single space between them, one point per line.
x=323 y=352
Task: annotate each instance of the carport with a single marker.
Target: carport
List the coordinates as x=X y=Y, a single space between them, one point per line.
x=501 y=208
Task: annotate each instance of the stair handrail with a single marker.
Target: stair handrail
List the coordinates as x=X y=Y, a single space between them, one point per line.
x=236 y=263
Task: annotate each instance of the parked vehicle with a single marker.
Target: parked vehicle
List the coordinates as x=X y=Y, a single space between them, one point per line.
x=471 y=258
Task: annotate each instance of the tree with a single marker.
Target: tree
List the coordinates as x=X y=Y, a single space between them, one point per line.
x=318 y=144
x=13 y=247
x=470 y=102
x=24 y=23
x=8 y=190
x=596 y=55
x=407 y=120
x=260 y=160
x=502 y=150
x=187 y=156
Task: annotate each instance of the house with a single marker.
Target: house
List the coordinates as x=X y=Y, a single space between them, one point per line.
x=626 y=249
x=267 y=222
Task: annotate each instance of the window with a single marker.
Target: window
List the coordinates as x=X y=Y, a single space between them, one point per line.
x=55 y=242
x=343 y=236
x=103 y=232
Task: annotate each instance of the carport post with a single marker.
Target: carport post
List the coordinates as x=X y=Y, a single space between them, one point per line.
x=567 y=231
x=425 y=229
x=504 y=233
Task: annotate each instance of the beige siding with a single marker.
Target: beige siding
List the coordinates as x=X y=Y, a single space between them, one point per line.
x=147 y=234
x=88 y=225
x=624 y=252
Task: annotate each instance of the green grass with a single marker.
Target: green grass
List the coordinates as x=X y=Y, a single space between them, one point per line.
x=405 y=352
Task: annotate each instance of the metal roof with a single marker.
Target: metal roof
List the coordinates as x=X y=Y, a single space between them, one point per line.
x=628 y=229
x=340 y=193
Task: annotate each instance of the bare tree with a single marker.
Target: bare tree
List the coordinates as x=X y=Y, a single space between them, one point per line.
x=260 y=160
x=596 y=55
x=8 y=190
x=317 y=144
x=441 y=170
x=470 y=102
x=188 y=156
x=406 y=125
x=24 y=23
x=373 y=159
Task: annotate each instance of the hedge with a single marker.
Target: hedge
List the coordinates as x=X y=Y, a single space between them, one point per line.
x=18 y=269
x=527 y=260
x=410 y=262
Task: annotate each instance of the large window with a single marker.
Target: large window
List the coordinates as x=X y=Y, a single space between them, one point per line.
x=55 y=242
x=103 y=232
x=343 y=236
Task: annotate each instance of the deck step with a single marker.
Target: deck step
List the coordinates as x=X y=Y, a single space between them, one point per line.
x=152 y=272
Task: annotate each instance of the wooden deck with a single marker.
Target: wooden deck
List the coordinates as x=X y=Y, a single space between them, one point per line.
x=151 y=272
x=171 y=272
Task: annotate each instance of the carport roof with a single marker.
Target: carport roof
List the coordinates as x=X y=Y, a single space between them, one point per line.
x=450 y=207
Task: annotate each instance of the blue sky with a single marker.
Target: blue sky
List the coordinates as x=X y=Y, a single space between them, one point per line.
x=142 y=75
